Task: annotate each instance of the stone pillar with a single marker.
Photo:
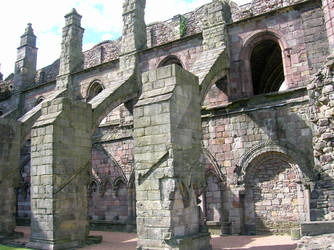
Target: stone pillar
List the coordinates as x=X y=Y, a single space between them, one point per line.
x=133 y=36
x=9 y=174
x=61 y=141
x=25 y=65
x=167 y=133
x=328 y=8
x=218 y=13
x=321 y=93
x=71 y=57
x=235 y=211
x=134 y=27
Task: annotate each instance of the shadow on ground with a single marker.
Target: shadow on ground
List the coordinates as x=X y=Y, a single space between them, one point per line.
x=128 y=241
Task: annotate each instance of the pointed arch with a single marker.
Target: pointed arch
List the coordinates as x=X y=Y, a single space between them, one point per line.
x=171 y=59
x=95 y=87
x=302 y=167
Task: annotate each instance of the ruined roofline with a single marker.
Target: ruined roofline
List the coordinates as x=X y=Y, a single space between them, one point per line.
x=109 y=50
x=247 y=13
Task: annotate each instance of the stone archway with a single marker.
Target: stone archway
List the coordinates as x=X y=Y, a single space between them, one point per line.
x=274 y=199
x=295 y=171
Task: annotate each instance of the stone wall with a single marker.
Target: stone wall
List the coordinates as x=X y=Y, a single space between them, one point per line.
x=321 y=92
x=328 y=8
x=302 y=50
x=232 y=135
x=34 y=95
x=9 y=174
x=274 y=200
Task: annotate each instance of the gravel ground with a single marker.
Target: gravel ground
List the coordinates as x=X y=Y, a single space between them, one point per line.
x=125 y=241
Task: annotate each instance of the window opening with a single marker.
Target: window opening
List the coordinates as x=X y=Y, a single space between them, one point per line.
x=267 y=67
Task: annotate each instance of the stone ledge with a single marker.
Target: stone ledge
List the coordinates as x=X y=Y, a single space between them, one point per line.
x=317 y=228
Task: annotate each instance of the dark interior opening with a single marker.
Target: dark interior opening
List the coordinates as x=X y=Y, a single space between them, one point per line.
x=170 y=60
x=94 y=90
x=267 y=67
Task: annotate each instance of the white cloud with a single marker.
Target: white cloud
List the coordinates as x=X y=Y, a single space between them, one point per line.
x=47 y=18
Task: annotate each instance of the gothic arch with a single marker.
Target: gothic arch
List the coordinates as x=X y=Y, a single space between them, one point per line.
x=218 y=71
x=252 y=42
x=217 y=169
x=171 y=59
x=95 y=87
x=301 y=166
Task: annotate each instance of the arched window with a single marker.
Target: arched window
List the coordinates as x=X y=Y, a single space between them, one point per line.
x=265 y=63
x=170 y=60
x=39 y=100
x=267 y=67
x=94 y=89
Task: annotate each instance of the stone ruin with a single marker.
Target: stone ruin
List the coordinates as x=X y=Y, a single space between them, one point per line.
x=216 y=121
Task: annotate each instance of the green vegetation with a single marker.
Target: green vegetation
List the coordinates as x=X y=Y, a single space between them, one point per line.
x=183 y=25
x=2 y=247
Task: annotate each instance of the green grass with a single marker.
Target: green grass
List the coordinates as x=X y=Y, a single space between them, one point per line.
x=2 y=247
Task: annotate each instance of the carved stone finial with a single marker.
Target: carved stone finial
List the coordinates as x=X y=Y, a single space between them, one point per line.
x=29 y=30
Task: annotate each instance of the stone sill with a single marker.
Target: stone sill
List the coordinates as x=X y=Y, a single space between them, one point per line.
x=213 y=223
x=317 y=228
x=258 y=102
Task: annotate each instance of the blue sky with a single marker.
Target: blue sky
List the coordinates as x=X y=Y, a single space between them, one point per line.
x=102 y=20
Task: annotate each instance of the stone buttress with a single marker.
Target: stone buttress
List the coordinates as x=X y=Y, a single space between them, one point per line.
x=61 y=143
x=167 y=149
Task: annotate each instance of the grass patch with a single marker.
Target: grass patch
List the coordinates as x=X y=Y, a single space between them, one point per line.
x=2 y=247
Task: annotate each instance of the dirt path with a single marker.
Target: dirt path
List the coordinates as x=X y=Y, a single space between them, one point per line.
x=125 y=241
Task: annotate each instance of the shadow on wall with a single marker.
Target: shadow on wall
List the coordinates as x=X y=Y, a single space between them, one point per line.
x=112 y=196
x=23 y=209
x=288 y=128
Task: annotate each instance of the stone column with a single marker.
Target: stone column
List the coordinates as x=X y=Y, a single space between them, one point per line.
x=9 y=174
x=134 y=35
x=328 y=8
x=71 y=57
x=134 y=27
x=167 y=133
x=61 y=141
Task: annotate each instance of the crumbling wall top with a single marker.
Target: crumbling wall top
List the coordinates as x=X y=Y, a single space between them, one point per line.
x=258 y=7
x=6 y=88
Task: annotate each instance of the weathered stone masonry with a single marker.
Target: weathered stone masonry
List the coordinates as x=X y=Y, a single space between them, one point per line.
x=265 y=163
x=167 y=151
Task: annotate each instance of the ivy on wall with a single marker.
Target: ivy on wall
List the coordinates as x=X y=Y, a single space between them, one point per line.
x=183 y=25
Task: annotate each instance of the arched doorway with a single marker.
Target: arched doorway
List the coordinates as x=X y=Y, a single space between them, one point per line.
x=274 y=200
